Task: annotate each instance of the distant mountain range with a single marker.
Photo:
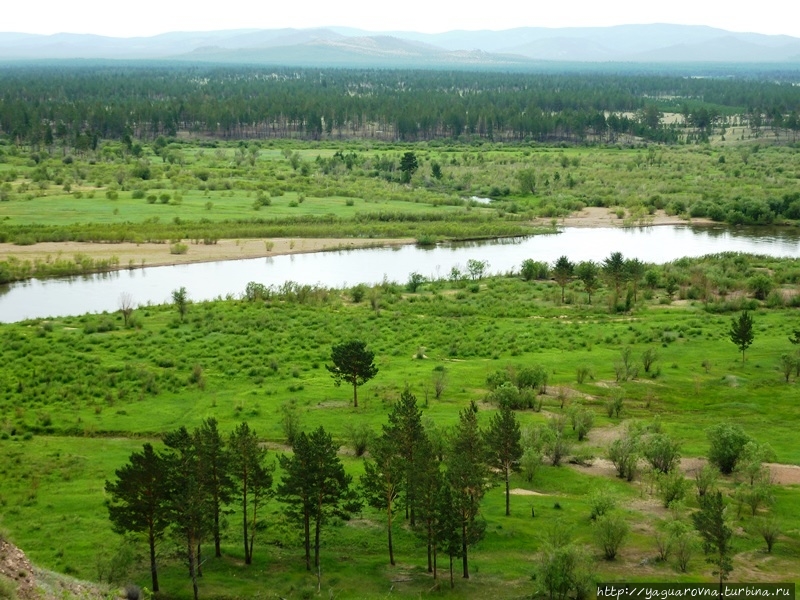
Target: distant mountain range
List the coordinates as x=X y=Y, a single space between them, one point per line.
x=337 y=46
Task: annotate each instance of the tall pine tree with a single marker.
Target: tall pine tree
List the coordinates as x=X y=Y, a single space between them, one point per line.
x=467 y=474
x=253 y=481
x=138 y=500
x=505 y=450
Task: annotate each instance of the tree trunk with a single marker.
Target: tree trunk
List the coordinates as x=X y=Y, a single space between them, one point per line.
x=355 y=395
x=307 y=532
x=199 y=568
x=508 y=496
x=247 y=557
x=430 y=551
x=452 y=583
x=317 y=527
x=391 y=547
x=153 y=571
x=464 y=561
x=253 y=534
x=434 y=562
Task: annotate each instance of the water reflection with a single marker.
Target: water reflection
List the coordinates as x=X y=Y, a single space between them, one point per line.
x=347 y=267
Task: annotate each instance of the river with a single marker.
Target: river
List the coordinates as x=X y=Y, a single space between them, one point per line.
x=204 y=281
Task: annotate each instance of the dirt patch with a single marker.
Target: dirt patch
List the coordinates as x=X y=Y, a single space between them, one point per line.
x=603 y=436
x=33 y=583
x=521 y=492
x=131 y=255
x=594 y=216
x=602 y=467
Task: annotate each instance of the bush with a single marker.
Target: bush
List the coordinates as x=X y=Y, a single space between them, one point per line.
x=582 y=372
x=624 y=453
x=582 y=421
x=610 y=532
x=534 y=378
x=661 y=452
x=672 y=487
x=563 y=572
x=359 y=435
x=727 y=444
x=290 y=419
x=601 y=502
x=178 y=248
x=358 y=292
x=705 y=479
x=769 y=529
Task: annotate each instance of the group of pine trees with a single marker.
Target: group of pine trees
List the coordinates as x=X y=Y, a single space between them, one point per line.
x=188 y=487
x=77 y=106
x=437 y=482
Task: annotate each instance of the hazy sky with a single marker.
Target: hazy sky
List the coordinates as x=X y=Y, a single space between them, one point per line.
x=149 y=17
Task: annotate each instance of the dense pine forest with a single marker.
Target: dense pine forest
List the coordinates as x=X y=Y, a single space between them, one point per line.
x=76 y=106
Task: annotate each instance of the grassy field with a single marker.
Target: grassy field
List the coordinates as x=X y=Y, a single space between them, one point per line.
x=81 y=393
x=275 y=181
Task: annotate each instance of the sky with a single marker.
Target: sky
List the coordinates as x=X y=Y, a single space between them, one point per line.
x=151 y=17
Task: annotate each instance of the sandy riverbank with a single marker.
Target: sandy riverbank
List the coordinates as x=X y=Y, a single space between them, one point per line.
x=131 y=255
x=152 y=255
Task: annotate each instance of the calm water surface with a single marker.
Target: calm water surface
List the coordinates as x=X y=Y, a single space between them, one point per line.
x=205 y=281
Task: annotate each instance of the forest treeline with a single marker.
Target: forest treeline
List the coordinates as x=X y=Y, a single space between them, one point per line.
x=77 y=106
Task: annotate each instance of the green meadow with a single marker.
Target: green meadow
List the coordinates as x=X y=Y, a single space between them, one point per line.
x=79 y=394
x=180 y=190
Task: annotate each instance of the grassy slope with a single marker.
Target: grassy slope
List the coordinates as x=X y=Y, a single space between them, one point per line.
x=126 y=385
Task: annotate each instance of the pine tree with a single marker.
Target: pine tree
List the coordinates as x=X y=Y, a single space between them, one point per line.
x=190 y=504
x=741 y=332
x=383 y=481
x=315 y=486
x=406 y=430
x=353 y=363
x=467 y=474
x=429 y=480
x=563 y=270
x=717 y=535
x=503 y=438
x=215 y=470
x=138 y=501
x=253 y=478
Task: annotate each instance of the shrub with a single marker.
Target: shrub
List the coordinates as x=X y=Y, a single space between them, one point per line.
x=601 y=502
x=727 y=444
x=705 y=479
x=582 y=372
x=624 y=453
x=563 y=571
x=358 y=292
x=359 y=435
x=530 y=462
x=290 y=421
x=672 y=487
x=582 y=421
x=769 y=529
x=534 y=378
x=661 y=452
x=610 y=532
x=178 y=248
